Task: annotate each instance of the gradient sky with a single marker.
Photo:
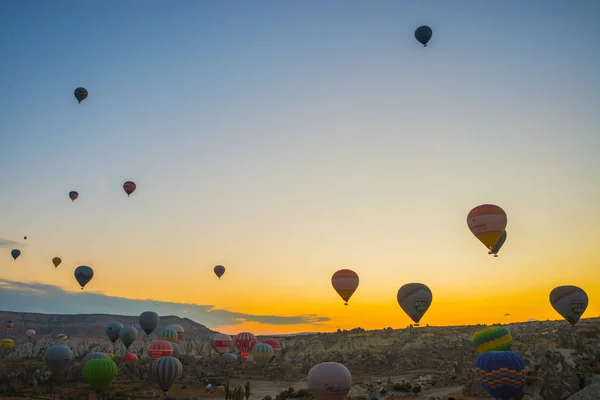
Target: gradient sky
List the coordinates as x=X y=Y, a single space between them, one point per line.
x=289 y=139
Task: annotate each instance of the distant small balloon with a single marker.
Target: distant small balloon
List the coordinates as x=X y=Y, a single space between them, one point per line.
x=128 y=335
x=415 y=299
x=219 y=271
x=25 y=237
x=15 y=253
x=73 y=195
x=423 y=35
x=56 y=261
x=81 y=94
x=129 y=187
x=345 y=283
x=84 y=275
x=30 y=333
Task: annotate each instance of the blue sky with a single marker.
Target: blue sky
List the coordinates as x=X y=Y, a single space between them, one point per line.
x=286 y=140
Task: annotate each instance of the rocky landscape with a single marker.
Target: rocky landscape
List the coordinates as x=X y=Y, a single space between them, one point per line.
x=385 y=364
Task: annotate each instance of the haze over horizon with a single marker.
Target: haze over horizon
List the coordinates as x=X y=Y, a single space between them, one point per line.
x=288 y=140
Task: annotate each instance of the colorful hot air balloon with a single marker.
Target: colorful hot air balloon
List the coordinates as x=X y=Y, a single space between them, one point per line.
x=56 y=261
x=166 y=370
x=81 y=94
x=30 y=333
x=168 y=334
x=84 y=275
x=96 y=355
x=245 y=342
x=221 y=343
x=73 y=195
x=498 y=245
x=228 y=358
x=487 y=222
x=329 y=381
x=219 y=271
x=211 y=341
x=160 y=348
x=414 y=299
x=7 y=343
x=493 y=338
x=178 y=329
x=99 y=373
x=112 y=330
x=8 y=324
x=57 y=358
x=128 y=335
x=129 y=357
x=176 y=350
x=149 y=320
x=345 y=282
x=275 y=345
x=501 y=373
x=423 y=34
x=15 y=253
x=569 y=301
x=262 y=354
x=129 y=187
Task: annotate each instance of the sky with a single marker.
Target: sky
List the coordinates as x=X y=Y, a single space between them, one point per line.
x=288 y=140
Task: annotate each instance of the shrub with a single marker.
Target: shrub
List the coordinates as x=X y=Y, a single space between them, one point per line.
x=416 y=389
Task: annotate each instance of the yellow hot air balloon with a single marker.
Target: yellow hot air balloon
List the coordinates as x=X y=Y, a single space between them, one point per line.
x=487 y=222
x=7 y=343
x=345 y=282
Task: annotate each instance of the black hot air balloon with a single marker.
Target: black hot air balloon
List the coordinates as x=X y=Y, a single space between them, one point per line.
x=84 y=275
x=423 y=34
x=81 y=94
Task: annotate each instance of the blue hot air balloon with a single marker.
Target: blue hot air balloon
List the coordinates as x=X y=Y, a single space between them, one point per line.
x=15 y=253
x=501 y=373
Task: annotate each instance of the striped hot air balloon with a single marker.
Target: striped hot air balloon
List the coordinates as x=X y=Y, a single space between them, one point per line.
x=487 y=222
x=168 y=334
x=569 y=301
x=229 y=357
x=178 y=329
x=262 y=354
x=222 y=343
x=160 y=348
x=245 y=342
x=275 y=345
x=493 y=338
x=501 y=373
x=166 y=370
x=96 y=355
x=345 y=283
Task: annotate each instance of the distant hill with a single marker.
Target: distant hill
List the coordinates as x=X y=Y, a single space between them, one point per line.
x=90 y=325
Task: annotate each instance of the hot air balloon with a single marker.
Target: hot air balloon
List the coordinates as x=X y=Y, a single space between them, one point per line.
x=166 y=370
x=81 y=94
x=329 y=381
x=221 y=343
x=112 y=330
x=99 y=373
x=149 y=320
x=423 y=34
x=414 y=299
x=96 y=355
x=228 y=357
x=8 y=324
x=501 y=373
x=245 y=342
x=7 y=343
x=211 y=341
x=168 y=334
x=128 y=335
x=73 y=195
x=129 y=357
x=56 y=261
x=345 y=282
x=487 y=222
x=62 y=337
x=176 y=350
x=111 y=355
x=498 y=245
x=30 y=333
x=569 y=301
x=262 y=354
x=84 y=275
x=24 y=237
x=15 y=253
x=129 y=187
x=160 y=348
x=275 y=345
x=219 y=271
x=179 y=329
x=57 y=358
x=493 y=338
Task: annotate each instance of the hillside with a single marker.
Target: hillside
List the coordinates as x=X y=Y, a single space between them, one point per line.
x=88 y=325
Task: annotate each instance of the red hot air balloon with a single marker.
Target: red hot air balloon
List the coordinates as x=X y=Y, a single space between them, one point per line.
x=219 y=271
x=129 y=187
x=129 y=357
x=160 y=348
x=245 y=342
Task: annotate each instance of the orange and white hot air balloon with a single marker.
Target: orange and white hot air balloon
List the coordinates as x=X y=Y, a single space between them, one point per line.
x=129 y=187
x=345 y=282
x=245 y=342
x=487 y=222
x=160 y=348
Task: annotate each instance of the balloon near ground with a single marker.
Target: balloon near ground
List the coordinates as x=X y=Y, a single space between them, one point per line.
x=487 y=222
x=149 y=320
x=245 y=342
x=166 y=370
x=128 y=335
x=221 y=343
x=112 y=330
x=99 y=373
x=570 y=302
x=57 y=358
x=329 y=381
x=493 y=338
x=160 y=348
x=501 y=373
x=7 y=343
x=262 y=354
x=96 y=355
x=178 y=330
x=415 y=299
x=345 y=282
x=168 y=334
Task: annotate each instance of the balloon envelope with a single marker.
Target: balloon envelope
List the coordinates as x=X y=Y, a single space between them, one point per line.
x=129 y=187
x=176 y=350
x=73 y=195
x=262 y=354
x=128 y=335
x=96 y=355
x=493 y=338
x=57 y=358
x=229 y=357
x=56 y=261
x=245 y=342
x=80 y=94
x=112 y=330
x=15 y=253
x=415 y=299
x=166 y=370
x=221 y=343
x=345 y=283
x=501 y=373
x=168 y=334
x=30 y=333
x=487 y=222
x=499 y=245
x=7 y=343
x=99 y=373
x=160 y=348
x=83 y=275
x=129 y=357
x=219 y=271
x=569 y=301
x=178 y=329
x=329 y=381
x=423 y=34
x=149 y=320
